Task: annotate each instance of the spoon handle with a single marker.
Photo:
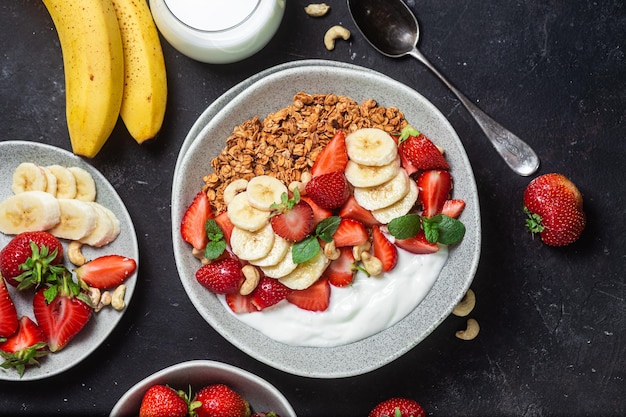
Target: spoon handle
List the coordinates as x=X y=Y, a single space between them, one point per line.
x=518 y=155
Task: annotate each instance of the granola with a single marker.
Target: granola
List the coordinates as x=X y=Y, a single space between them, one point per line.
x=286 y=143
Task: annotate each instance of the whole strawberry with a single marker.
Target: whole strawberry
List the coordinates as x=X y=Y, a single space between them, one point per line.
x=219 y=400
x=329 y=191
x=398 y=407
x=221 y=277
x=163 y=401
x=26 y=259
x=553 y=205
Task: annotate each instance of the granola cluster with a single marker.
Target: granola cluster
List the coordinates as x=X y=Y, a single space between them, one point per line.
x=287 y=142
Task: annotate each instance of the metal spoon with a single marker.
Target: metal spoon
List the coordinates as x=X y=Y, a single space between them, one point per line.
x=392 y=29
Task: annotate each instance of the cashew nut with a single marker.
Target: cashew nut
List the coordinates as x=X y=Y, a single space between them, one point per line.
x=234 y=188
x=317 y=9
x=117 y=299
x=358 y=250
x=105 y=300
x=466 y=305
x=330 y=251
x=305 y=177
x=372 y=264
x=470 y=332
x=94 y=296
x=252 y=279
x=297 y=184
x=334 y=33
x=74 y=253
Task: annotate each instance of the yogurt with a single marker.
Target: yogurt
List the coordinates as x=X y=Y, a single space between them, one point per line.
x=366 y=307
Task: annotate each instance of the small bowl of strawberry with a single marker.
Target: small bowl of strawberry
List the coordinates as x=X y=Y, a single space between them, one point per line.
x=203 y=388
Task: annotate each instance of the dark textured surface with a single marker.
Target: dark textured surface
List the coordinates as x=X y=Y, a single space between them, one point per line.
x=553 y=321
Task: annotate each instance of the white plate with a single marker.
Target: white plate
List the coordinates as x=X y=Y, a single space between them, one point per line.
x=12 y=153
x=274 y=90
x=261 y=395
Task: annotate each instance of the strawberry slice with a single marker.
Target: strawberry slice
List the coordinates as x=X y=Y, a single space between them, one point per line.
x=106 y=271
x=417 y=244
x=240 y=303
x=453 y=208
x=8 y=313
x=223 y=221
x=434 y=186
x=350 y=233
x=268 y=292
x=319 y=213
x=340 y=272
x=295 y=223
x=334 y=156
x=314 y=298
x=329 y=191
x=194 y=219
x=383 y=249
x=60 y=314
x=352 y=210
x=422 y=153
x=25 y=346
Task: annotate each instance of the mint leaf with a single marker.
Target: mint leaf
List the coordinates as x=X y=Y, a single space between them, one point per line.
x=217 y=244
x=404 y=227
x=305 y=249
x=443 y=229
x=327 y=228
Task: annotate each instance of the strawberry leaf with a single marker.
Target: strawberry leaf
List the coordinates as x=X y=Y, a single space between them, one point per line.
x=217 y=244
x=443 y=229
x=404 y=227
x=305 y=249
x=407 y=131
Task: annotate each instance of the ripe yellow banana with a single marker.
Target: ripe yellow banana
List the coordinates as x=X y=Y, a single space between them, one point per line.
x=94 y=69
x=145 y=84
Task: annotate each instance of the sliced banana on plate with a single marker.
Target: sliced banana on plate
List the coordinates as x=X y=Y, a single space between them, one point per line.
x=78 y=219
x=282 y=268
x=276 y=254
x=28 y=177
x=384 y=195
x=51 y=186
x=263 y=191
x=306 y=273
x=107 y=227
x=29 y=211
x=370 y=175
x=371 y=146
x=244 y=216
x=85 y=184
x=252 y=245
x=66 y=182
x=400 y=208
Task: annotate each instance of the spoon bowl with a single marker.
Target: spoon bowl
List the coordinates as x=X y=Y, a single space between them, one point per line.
x=392 y=29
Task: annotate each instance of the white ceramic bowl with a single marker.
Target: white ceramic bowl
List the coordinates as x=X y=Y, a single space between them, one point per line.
x=261 y=395
x=215 y=31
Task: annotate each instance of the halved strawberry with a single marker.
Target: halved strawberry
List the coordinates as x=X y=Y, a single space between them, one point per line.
x=8 y=313
x=334 y=156
x=319 y=213
x=223 y=221
x=422 y=153
x=417 y=244
x=340 y=272
x=351 y=209
x=239 y=303
x=268 y=292
x=60 y=313
x=329 y=191
x=350 y=233
x=106 y=271
x=453 y=208
x=25 y=346
x=314 y=298
x=294 y=223
x=434 y=186
x=383 y=249
x=194 y=219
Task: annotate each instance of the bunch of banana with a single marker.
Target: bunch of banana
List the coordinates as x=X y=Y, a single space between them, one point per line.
x=113 y=66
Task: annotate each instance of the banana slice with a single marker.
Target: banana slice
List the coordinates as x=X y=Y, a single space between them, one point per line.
x=375 y=198
x=28 y=177
x=371 y=146
x=66 y=183
x=402 y=207
x=264 y=190
x=78 y=219
x=85 y=184
x=244 y=216
x=51 y=186
x=29 y=211
x=306 y=273
x=107 y=227
x=370 y=176
x=282 y=268
x=277 y=253
x=252 y=245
